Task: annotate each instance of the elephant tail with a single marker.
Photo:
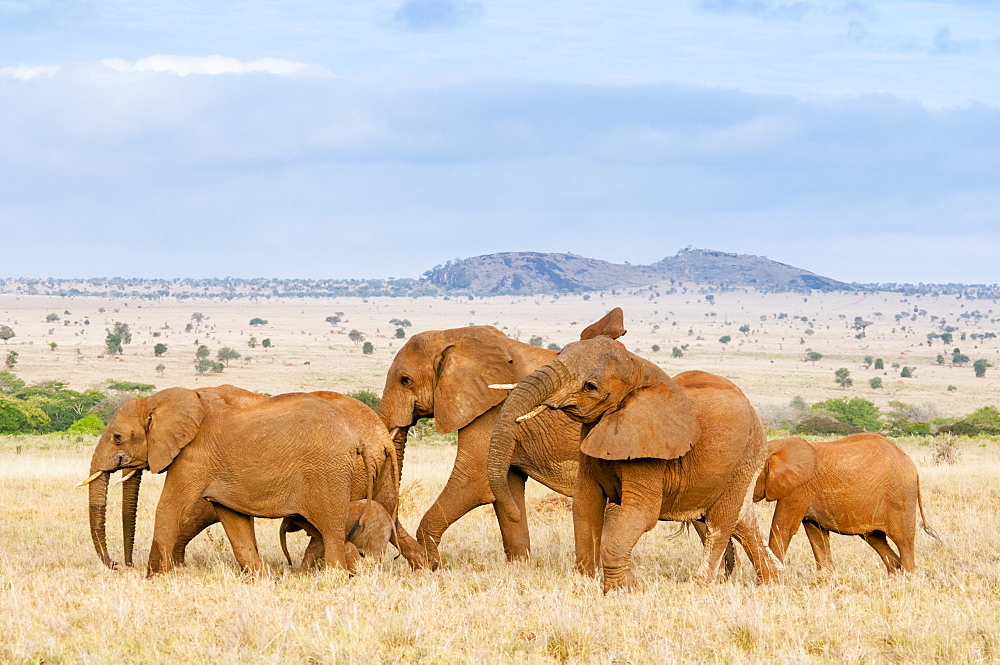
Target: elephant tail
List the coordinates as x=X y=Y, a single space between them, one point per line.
x=286 y=526
x=923 y=518
x=397 y=479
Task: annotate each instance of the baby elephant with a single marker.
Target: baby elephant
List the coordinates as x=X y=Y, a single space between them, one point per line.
x=368 y=531
x=861 y=485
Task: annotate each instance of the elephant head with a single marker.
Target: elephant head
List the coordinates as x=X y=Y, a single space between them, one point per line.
x=790 y=463
x=629 y=408
x=144 y=433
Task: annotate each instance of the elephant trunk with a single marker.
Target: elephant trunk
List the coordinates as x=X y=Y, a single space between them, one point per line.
x=529 y=393
x=130 y=505
x=98 y=501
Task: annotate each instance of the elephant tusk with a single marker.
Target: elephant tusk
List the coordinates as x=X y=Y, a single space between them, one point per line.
x=89 y=480
x=502 y=386
x=125 y=476
x=531 y=414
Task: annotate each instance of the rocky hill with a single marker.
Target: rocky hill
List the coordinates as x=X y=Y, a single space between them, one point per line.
x=532 y=272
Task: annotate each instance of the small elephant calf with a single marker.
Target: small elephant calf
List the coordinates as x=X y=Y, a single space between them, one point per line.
x=861 y=485
x=368 y=531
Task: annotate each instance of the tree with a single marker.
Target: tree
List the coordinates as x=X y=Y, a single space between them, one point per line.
x=51 y=318
x=536 y=340
x=940 y=359
x=812 y=356
x=332 y=320
x=946 y=338
x=227 y=353
x=656 y=348
x=676 y=352
x=745 y=329
x=368 y=397
x=356 y=336
x=907 y=372
x=868 y=360
x=553 y=347
x=400 y=333
x=10 y=384
x=53 y=346
x=206 y=365
x=202 y=353
x=875 y=382
x=266 y=342
x=159 y=349
x=6 y=332
x=843 y=378
x=856 y=411
x=367 y=348
x=160 y=369
x=11 y=359
x=879 y=364
x=116 y=337
x=124 y=331
x=253 y=343
x=959 y=358
x=725 y=339
x=197 y=317
x=980 y=367
x=257 y=321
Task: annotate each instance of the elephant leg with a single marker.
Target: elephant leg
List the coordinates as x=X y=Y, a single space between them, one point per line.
x=890 y=559
x=460 y=495
x=904 y=538
x=590 y=504
x=172 y=513
x=721 y=521
x=515 y=535
x=819 y=540
x=728 y=558
x=748 y=533
x=202 y=516
x=788 y=514
x=242 y=538
x=642 y=497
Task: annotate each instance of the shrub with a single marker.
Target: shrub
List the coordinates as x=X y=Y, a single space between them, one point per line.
x=907 y=372
x=266 y=342
x=367 y=348
x=535 y=340
x=820 y=423
x=131 y=387
x=945 y=450
x=9 y=383
x=19 y=417
x=89 y=424
x=11 y=359
x=368 y=397
x=875 y=382
x=879 y=364
x=725 y=339
x=655 y=348
x=257 y=321
x=842 y=377
x=676 y=353
x=206 y=365
x=400 y=333
x=982 y=421
x=202 y=353
x=6 y=332
x=980 y=366
x=159 y=349
x=856 y=411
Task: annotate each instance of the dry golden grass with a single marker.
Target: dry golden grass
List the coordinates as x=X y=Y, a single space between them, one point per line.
x=61 y=605
x=58 y=603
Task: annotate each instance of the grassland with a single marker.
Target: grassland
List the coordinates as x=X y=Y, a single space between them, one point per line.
x=59 y=604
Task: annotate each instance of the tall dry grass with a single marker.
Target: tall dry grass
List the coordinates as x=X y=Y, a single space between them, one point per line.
x=59 y=604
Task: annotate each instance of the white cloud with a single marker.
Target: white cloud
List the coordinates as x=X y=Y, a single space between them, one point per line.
x=27 y=72
x=182 y=65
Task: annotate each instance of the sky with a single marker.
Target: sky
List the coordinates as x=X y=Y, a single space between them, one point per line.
x=859 y=140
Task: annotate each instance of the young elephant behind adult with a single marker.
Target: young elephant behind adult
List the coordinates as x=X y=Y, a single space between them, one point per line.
x=293 y=454
x=369 y=530
x=861 y=485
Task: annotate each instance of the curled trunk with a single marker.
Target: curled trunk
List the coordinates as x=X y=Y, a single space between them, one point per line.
x=98 y=501
x=130 y=504
x=529 y=393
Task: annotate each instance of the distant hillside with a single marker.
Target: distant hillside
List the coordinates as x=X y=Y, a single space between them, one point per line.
x=508 y=273
x=524 y=273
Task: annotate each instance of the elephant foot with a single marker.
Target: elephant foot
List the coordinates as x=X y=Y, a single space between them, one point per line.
x=619 y=581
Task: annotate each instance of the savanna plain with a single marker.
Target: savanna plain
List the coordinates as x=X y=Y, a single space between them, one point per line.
x=60 y=604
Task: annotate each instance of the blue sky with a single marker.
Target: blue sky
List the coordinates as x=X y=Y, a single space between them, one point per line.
x=857 y=139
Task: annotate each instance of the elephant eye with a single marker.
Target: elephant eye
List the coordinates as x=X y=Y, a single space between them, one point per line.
x=405 y=380
x=589 y=387
x=117 y=437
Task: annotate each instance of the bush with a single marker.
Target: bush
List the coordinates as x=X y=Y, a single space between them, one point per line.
x=875 y=382
x=257 y=321
x=18 y=417
x=368 y=397
x=89 y=424
x=367 y=348
x=982 y=421
x=536 y=340
x=879 y=364
x=159 y=349
x=857 y=412
x=205 y=365
x=9 y=383
x=725 y=339
x=131 y=387
x=820 y=423
x=907 y=372
x=400 y=333
x=945 y=450
x=676 y=352
x=553 y=347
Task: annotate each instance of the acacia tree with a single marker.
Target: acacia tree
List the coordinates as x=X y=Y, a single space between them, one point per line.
x=159 y=349
x=843 y=378
x=6 y=332
x=227 y=353
x=980 y=367
x=356 y=336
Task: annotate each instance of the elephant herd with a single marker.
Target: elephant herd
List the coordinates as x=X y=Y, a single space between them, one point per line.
x=631 y=444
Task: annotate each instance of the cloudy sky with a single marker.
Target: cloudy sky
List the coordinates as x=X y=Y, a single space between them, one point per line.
x=857 y=139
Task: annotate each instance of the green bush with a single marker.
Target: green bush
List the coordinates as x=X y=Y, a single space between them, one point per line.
x=857 y=412
x=131 y=387
x=89 y=424
x=982 y=421
x=18 y=417
x=822 y=423
x=368 y=397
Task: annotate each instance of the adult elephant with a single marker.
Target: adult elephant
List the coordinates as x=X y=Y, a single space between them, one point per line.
x=663 y=449
x=447 y=374
x=862 y=485
x=293 y=454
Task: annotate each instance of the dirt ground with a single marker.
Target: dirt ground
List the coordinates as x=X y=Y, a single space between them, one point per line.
x=308 y=353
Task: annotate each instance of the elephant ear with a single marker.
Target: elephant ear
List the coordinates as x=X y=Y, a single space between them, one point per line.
x=175 y=415
x=790 y=463
x=655 y=421
x=465 y=370
x=610 y=325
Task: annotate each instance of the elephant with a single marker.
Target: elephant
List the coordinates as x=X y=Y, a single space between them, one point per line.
x=242 y=455
x=663 y=449
x=369 y=529
x=447 y=375
x=862 y=485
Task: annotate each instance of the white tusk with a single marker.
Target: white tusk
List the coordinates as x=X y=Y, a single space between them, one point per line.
x=531 y=414
x=502 y=386
x=89 y=480
x=125 y=476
